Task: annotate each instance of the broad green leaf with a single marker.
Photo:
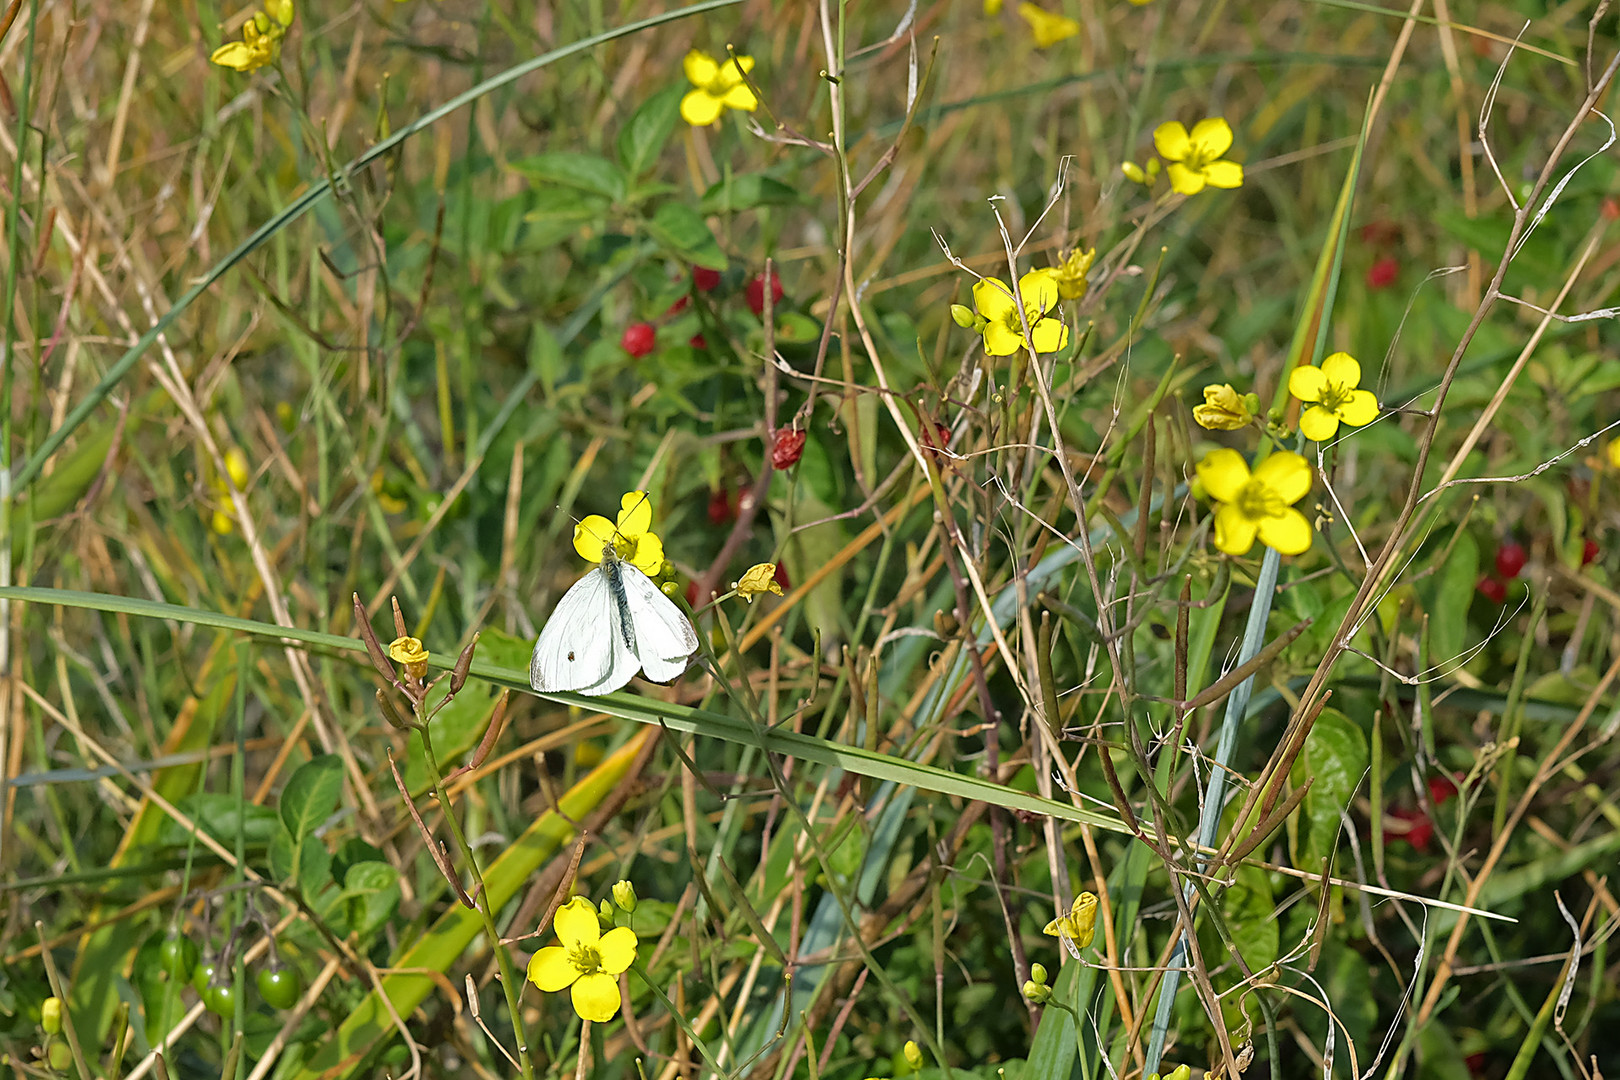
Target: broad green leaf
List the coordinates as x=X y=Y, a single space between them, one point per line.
x=299 y=862
x=350 y=853
x=312 y=794
x=748 y=191
x=369 y=898
x=217 y=815
x=680 y=230
x=1335 y=759
x=1449 y=598
x=642 y=138
x=584 y=172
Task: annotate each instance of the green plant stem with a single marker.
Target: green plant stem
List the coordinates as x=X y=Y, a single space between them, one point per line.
x=1209 y=819
x=503 y=959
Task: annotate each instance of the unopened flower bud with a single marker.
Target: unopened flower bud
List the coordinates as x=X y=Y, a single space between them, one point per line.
x=1037 y=993
x=1037 y=972
x=50 y=1015
x=962 y=315
x=604 y=914
x=913 y=1054
x=624 y=894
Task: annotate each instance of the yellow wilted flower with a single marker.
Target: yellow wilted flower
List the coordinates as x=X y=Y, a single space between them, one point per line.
x=1224 y=409
x=1049 y=29
x=1260 y=503
x=1079 y=925
x=631 y=538
x=1195 y=158
x=261 y=39
x=757 y=580
x=1070 y=273
x=716 y=87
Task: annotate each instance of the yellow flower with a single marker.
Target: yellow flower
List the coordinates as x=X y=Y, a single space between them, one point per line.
x=1258 y=503
x=1080 y=924
x=222 y=523
x=631 y=539
x=409 y=653
x=1332 y=391
x=261 y=39
x=1181 y=1072
x=1224 y=409
x=1049 y=29
x=992 y=7
x=585 y=959
x=1070 y=273
x=1614 y=453
x=236 y=467
x=1004 y=330
x=759 y=578
x=1195 y=159
x=716 y=87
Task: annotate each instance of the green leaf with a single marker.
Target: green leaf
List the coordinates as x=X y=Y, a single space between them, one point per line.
x=642 y=139
x=299 y=861
x=369 y=898
x=350 y=853
x=681 y=231
x=1449 y=599
x=217 y=816
x=748 y=191
x=585 y=172
x=311 y=794
x=1335 y=759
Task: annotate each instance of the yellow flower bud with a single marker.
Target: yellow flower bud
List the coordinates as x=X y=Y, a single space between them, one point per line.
x=1037 y=972
x=962 y=316
x=1070 y=274
x=1223 y=409
x=50 y=1015
x=408 y=651
x=760 y=578
x=1133 y=172
x=1037 y=993
x=624 y=894
x=222 y=523
x=280 y=10
x=236 y=467
x=913 y=1054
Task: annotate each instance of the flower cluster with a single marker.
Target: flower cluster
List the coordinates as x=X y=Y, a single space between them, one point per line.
x=585 y=961
x=1193 y=159
x=261 y=39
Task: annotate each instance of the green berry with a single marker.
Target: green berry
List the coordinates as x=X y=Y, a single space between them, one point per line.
x=219 y=998
x=178 y=956
x=59 y=1055
x=203 y=974
x=280 y=987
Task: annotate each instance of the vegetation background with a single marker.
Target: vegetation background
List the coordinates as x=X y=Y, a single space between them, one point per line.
x=355 y=324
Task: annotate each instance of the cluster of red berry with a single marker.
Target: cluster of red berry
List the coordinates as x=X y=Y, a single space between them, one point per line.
x=1382 y=236
x=1419 y=829
x=1510 y=560
x=640 y=338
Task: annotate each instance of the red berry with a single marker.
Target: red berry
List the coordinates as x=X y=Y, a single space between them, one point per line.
x=704 y=278
x=1611 y=208
x=782 y=578
x=1441 y=788
x=1419 y=829
x=756 y=293
x=1382 y=273
x=1589 y=552
x=720 y=509
x=1475 y=1063
x=1510 y=559
x=786 y=448
x=677 y=307
x=698 y=342
x=638 y=339
x=1493 y=590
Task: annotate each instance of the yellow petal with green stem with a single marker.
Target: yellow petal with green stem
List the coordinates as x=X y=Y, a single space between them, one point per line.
x=1234 y=533
x=1212 y=137
x=649 y=556
x=1039 y=290
x=1171 y=141
x=1318 y=424
x=740 y=97
x=550 y=970
x=596 y=997
x=1288 y=532
x=1050 y=335
x=1000 y=340
x=1223 y=473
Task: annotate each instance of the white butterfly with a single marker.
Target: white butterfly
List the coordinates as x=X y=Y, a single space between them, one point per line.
x=610 y=624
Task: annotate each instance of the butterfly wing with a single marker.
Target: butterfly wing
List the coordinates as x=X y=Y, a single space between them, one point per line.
x=582 y=646
x=665 y=640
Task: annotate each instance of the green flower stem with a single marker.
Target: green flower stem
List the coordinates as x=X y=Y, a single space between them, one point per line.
x=509 y=983
x=1209 y=819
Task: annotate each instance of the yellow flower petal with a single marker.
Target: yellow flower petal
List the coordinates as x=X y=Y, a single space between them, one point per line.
x=1049 y=29
x=740 y=97
x=1184 y=181
x=649 y=555
x=992 y=7
x=1614 y=453
x=1318 y=424
x=576 y=925
x=1223 y=409
x=550 y=970
x=1171 y=141
x=1224 y=174
x=1307 y=383
x=731 y=72
x=1287 y=474
x=1223 y=473
x=596 y=997
x=234 y=55
x=1362 y=408
x=700 y=68
x=993 y=298
x=1342 y=370
x=617 y=949
x=1001 y=340
x=1213 y=137
x=1050 y=335
x=1039 y=290
x=635 y=514
x=1234 y=533
x=1288 y=532
x=591 y=536
x=700 y=108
